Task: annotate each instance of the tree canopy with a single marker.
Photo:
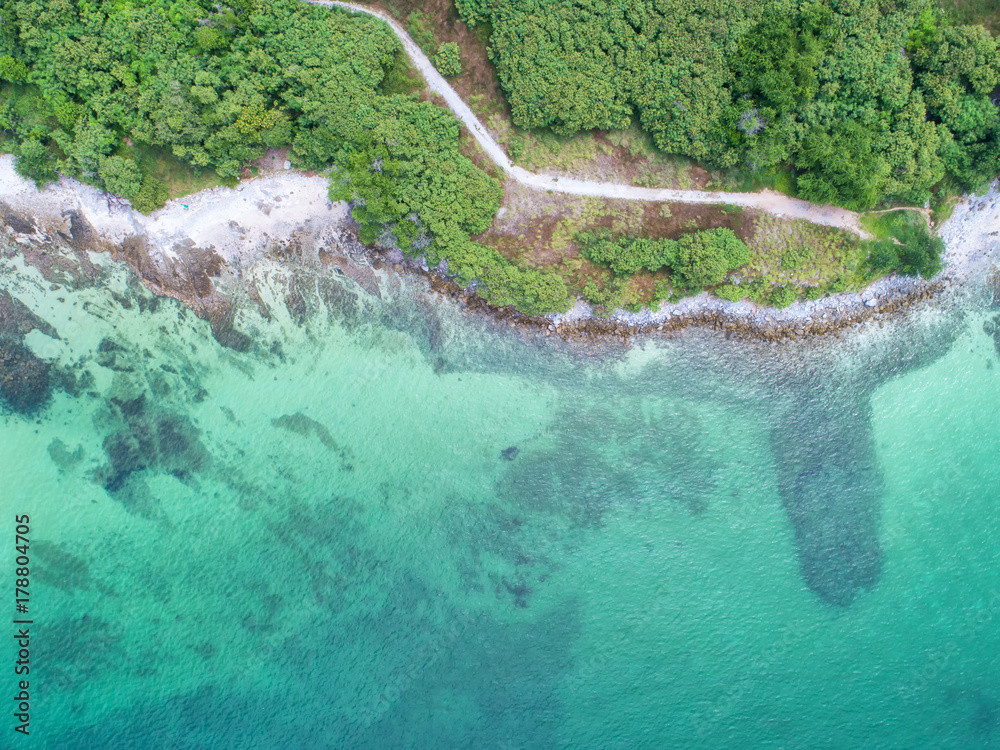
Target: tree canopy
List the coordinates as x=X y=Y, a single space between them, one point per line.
x=865 y=100
x=90 y=83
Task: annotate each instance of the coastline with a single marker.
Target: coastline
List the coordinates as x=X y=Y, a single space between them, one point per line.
x=194 y=247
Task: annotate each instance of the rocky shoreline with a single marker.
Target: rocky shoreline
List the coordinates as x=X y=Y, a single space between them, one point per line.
x=197 y=248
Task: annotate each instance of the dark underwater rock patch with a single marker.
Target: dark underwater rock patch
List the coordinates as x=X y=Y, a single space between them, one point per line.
x=25 y=380
x=221 y=316
x=187 y=277
x=79 y=650
x=16 y=320
x=613 y=457
x=56 y=566
x=20 y=223
x=113 y=356
x=510 y=453
x=149 y=439
x=300 y=424
x=835 y=515
x=518 y=589
x=992 y=328
x=62 y=456
x=74 y=380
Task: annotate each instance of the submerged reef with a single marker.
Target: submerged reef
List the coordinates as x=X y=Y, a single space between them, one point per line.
x=25 y=383
x=25 y=380
x=149 y=438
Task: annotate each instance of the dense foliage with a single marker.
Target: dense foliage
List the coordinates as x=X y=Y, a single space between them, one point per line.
x=696 y=260
x=216 y=85
x=92 y=84
x=904 y=245
x=683 y=266
x=865 y=100
x=645 y=271
x=448 y=59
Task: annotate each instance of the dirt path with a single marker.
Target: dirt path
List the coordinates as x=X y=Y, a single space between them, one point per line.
x=766 y=200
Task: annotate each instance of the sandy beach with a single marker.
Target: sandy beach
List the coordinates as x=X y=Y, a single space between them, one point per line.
x=234 y=222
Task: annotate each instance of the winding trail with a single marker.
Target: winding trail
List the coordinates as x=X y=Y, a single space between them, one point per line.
x=767 y=200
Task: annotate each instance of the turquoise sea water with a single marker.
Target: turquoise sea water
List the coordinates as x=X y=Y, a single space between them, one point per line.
x=392 y=526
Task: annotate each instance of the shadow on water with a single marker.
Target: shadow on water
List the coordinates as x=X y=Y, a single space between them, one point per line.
x=814 y=400
x=829 y=478
x=831 y=488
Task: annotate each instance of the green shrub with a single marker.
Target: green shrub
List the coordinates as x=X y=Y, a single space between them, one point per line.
x=515 y=149
x=662 y=291
x=704 y=258
x=913 y=251
x=419 y=28
x=813 y=292
x=207 y=39
x=626 y=256
x=697 y=260
x=730 y=292
x=531 y=291
x=448 y=59
x=33 y=161
x=12 y=69
x=883 y=256
x=794 y=259
x=152 y=195
x=612 y=294
x=121 y=176
x=757 y=291
x=782 y=296
x=920 y=254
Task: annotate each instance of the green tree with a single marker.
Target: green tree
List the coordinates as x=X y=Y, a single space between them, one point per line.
x=704 y=258
x=12 y=69
x=448 y=59
x=33 y=161
x=121 y=176
x=152 y=195
x=842 y=166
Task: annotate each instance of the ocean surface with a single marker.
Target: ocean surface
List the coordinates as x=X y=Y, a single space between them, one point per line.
x=389 y=524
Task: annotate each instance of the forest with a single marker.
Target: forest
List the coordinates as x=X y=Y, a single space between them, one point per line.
x=100 y=90
x=860 y=102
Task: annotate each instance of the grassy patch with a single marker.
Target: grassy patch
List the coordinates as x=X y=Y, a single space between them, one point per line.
x=418 y=26
x=180 y=178
x=903 y=244
x=545 y=236
x=891 y=224
x=543 y=149
x=803 y=258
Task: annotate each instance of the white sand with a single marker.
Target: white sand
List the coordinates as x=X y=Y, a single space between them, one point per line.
x=234 y=221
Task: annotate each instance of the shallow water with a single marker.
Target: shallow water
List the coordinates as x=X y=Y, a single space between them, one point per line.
x=394 y=526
